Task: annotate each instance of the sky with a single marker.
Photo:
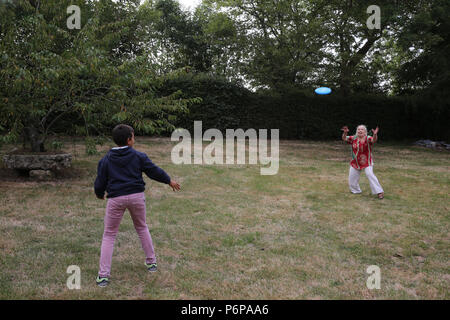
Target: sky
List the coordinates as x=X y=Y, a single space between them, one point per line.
x=189 y=4
x=186 y=4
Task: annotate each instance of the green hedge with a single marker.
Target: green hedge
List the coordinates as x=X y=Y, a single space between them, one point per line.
x=299 y=115
x=222 y=101
x=321 y=117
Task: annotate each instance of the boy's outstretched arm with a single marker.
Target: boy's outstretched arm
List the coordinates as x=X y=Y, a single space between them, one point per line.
x=175 y=185
x=156 y=173
x=101 y=180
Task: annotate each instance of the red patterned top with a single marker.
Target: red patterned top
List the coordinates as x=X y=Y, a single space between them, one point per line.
x=361 y=152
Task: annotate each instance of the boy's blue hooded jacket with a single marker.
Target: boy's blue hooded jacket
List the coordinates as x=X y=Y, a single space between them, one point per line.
x=120 y=173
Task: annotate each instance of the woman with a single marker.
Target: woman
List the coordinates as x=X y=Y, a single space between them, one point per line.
x=362 y=159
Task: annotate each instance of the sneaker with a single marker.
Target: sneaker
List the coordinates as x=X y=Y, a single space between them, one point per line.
x=151 y=267
x=102 y=282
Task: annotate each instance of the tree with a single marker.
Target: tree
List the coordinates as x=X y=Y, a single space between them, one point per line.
x=220 y=34
x=314 y=42
x=424 y=44
x=81 y=81
x=174 y=37
x=277 y=39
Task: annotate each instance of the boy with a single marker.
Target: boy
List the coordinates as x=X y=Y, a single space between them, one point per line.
x=119 y=173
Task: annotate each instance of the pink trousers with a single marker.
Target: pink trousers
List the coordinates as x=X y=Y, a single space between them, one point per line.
x=115 y=209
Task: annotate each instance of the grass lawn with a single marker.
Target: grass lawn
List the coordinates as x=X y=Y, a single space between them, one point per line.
x=234 y=234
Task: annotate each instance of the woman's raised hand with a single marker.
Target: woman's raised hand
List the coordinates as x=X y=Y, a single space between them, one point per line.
x=345 y=129
x=375 y=131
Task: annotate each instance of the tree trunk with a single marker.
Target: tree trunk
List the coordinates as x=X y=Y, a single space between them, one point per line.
x=32 y=135
x=345 y=81
x=349 y=66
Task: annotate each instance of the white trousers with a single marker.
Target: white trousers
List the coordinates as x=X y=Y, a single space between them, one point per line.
x=353 y=180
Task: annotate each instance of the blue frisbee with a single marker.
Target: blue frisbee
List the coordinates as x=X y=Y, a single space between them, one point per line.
x=323 y=90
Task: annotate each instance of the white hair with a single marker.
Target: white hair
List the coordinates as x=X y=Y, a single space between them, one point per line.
x=361 y=125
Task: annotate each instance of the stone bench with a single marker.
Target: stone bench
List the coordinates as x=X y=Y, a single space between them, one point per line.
x=39 y=166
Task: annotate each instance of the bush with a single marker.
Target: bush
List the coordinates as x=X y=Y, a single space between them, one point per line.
x=223 y=102
x=301 y=115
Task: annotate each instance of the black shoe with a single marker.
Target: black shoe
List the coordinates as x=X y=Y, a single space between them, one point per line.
x=151 y=267
x=102 y=282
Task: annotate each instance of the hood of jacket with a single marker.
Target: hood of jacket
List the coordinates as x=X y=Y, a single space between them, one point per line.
x=121 y=157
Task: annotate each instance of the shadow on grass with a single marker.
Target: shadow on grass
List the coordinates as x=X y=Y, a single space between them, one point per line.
x=12 y=175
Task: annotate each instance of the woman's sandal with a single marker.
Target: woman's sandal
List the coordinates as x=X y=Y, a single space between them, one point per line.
x=381 y=195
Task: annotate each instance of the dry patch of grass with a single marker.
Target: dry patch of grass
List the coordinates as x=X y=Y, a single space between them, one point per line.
x=234 y=234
